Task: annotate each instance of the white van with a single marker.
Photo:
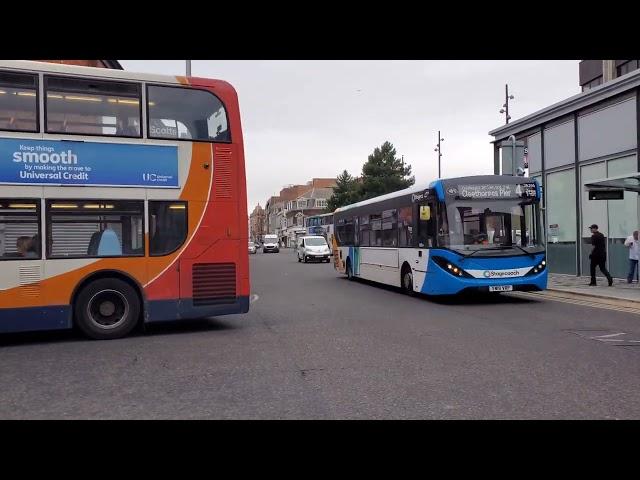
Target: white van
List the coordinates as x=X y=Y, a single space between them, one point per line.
x=271 y=244
x=313 y=248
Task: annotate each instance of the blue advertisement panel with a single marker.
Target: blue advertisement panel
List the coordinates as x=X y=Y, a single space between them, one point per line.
x=38 y=162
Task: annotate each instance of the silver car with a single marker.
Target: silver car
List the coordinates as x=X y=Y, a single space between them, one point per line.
x=252 y=247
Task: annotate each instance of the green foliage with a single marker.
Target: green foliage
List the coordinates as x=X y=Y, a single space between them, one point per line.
x=382 y=173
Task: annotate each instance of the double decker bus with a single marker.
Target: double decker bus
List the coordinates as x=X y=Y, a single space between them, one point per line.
x=122 y=199
x=320 y=225
x=479 y=233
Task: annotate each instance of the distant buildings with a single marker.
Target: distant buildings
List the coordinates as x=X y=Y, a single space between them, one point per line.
x=285 y=212
x=257 y=224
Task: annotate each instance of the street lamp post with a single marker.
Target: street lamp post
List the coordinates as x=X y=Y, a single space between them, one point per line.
x=439 y=150
x=505 y=106
x=188 y=68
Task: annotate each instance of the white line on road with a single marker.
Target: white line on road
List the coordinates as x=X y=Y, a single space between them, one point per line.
x=611 y=335
x=617 y=340
x=254 y=298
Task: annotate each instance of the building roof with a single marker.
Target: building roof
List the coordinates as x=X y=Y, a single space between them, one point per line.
x=594 y=95
x=258 y=210
x=317 y=193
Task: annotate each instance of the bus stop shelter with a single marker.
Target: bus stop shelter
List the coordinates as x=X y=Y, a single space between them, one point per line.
x=613 y=188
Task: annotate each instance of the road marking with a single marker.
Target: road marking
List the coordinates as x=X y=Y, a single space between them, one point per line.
x=617 y=340
x=610 y=335
x=254 y=298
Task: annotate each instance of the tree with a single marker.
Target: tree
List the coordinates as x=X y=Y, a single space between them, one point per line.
x=344 y=193
x=384 y=173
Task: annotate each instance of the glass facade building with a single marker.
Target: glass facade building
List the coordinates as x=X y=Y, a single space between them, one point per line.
x=588 y=137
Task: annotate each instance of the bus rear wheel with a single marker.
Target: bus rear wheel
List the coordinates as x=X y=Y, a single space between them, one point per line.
x=106 y=309
x=407 y=280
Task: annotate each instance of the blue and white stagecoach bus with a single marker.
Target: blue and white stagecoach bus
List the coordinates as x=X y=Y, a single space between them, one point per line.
x=479 y=233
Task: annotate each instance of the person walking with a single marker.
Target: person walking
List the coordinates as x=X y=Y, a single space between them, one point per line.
x=598 y=255
x=633 y=245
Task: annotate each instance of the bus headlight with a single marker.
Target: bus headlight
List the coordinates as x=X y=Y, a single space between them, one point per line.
x=450 y=267
x=539 y=268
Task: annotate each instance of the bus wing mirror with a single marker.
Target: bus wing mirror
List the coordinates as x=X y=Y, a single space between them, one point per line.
x=425 y=212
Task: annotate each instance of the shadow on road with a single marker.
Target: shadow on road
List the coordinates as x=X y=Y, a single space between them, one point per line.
x=153 y=329
x=189 y=326
x=461 y=299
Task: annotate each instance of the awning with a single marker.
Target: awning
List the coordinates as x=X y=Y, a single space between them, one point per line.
x=629 y=182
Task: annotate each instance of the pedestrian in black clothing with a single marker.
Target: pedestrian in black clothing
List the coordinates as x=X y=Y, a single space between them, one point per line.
x=598 y=255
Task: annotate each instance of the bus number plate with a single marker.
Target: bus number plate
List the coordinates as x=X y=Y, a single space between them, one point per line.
x=501 y=288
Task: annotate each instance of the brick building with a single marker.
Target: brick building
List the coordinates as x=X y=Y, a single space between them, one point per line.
x=257 y=223
x=285 y=212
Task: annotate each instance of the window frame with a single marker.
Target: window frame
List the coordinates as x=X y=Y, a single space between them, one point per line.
x=401 y=227
x=393 y=215
x=37 y=89
x=49 y=227
x=39 y=216
x=45 y=129
x=629 y=66
x=148 y=120
x=186 y=216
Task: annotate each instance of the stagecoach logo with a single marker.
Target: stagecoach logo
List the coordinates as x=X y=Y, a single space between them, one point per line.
x=452 y=191
x=501 y=273
x=417 y=197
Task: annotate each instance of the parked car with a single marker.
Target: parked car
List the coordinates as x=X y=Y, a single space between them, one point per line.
x=271 y=244
x=253 y=248
x=313 y=248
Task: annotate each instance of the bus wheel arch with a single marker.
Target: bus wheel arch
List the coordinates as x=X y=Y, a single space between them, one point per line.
x=406 y=278
x=120 y=292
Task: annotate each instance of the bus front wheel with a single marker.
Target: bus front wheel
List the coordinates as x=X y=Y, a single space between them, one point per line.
x=107 y=308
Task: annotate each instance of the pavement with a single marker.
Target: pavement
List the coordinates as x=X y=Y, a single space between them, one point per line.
x=620 y=290
x=317 y=346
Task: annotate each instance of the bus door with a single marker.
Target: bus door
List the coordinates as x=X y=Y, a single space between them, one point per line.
x=356 y=243
x=424 y=213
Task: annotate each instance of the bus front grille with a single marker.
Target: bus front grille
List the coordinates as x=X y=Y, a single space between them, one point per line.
x=214 y=283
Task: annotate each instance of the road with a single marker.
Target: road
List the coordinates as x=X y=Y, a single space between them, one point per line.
x=317 y=346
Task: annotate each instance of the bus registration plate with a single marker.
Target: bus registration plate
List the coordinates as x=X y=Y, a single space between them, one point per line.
x=501 y=288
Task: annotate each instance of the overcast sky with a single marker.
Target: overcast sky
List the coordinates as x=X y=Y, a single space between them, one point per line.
x=304 y=119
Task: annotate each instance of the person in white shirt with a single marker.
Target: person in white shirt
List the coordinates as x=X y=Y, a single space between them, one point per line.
x=633 y=244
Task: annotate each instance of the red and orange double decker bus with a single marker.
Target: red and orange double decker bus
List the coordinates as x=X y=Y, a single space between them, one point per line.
x=122 y=199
